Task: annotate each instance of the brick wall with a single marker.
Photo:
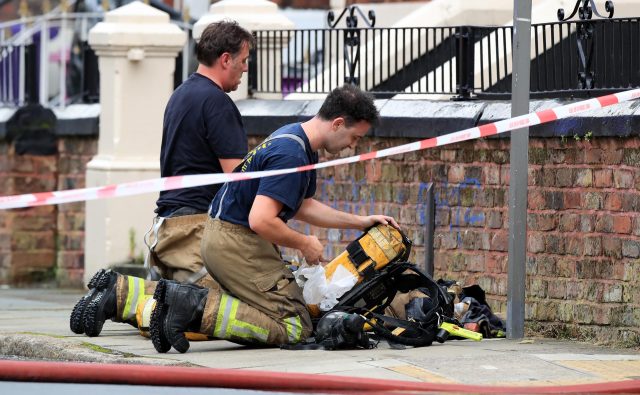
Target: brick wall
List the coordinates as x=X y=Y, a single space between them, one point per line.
x=43 y=244
x=583 y=266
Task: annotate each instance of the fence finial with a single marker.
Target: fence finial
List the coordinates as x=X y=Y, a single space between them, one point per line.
x=587 y=10
x=105 y=5
x=352 y=18
x=64 y=5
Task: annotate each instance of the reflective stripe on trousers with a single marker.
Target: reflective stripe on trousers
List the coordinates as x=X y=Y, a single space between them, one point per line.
x=135 y=293
x=227 y=325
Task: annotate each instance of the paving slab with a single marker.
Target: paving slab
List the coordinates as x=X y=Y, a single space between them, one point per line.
x=34 y=324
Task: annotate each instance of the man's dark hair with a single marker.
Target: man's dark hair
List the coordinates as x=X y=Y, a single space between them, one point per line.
x=352 y=104
x=221 y=37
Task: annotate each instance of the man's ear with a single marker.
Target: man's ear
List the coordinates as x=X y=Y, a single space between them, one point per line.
x=225 y=59
x=336 y=123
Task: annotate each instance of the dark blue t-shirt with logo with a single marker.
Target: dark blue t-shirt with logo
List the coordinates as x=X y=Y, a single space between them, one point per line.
x=287 y=147
x=201 y=126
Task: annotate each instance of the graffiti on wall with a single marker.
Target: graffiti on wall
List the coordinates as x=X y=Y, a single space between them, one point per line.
x=359 y=199
x=451 y=198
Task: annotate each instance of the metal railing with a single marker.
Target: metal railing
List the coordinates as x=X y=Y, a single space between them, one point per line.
x=461 y=61
x=47 y=60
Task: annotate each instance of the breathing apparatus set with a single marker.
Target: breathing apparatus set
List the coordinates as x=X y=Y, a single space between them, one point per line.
x=390 y=298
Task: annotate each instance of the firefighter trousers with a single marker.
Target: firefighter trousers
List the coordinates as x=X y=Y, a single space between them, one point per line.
x=260 y=302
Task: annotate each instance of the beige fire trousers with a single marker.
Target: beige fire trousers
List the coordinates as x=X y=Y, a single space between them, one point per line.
x=260 y=302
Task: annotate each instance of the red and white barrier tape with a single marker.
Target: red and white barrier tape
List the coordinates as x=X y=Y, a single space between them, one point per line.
x=177 y=182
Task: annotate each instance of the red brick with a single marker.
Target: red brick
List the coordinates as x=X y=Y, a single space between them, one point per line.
x=584 y=177
x=593 y=246
x=71 y=260
x=563 y=177
x=622 y=224
x=476 y=263
x=566 y=267
x=496 y=263
x=500 y=241
x=29 y=260
x=373 y=170
x=613 y=202
x=505 y=176
x=592 y=200
x=613 y=157
x=48 y=164
x=604 y=223
x=636 y=226
x=535 y=199
x=574 y=246
x=593 y=156
x=612 y=246
x=447 y=155
x=23 y=164
x=456 y=174
x=603 y=178
x=572 y=200
x=587 y=223
x=568 y=222
x=623 y=178
x=557 y=289
x=491 y=174
x=535 y=242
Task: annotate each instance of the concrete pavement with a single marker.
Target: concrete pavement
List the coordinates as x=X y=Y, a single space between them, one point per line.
x=34 y=324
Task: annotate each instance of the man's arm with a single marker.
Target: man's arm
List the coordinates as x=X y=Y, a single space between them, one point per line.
x=228 y=165
x=319 y=214
x=264 y=220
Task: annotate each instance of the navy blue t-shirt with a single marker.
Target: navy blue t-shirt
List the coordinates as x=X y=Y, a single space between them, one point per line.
x=234 y=200
x=201 y=125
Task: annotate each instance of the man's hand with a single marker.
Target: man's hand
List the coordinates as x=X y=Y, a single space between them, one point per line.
x=371 y=220
x=312 y=250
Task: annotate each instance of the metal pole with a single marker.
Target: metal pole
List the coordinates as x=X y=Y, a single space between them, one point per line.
x=21 y=63
x=44 y=62
x=63 y=60
x=519 y=159
x=429 y=228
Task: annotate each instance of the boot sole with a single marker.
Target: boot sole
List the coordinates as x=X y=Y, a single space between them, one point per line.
x=76 y=322
x=92 y=323
x=156 y=325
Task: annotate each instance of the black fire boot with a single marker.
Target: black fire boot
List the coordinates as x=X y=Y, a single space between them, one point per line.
x=95 y=285
x=178 y=309
x=103 y=305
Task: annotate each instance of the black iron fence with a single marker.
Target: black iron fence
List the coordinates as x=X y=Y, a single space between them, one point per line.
x=575 y=58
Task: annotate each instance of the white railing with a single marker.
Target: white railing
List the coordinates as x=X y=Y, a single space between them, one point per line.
x=53 y=43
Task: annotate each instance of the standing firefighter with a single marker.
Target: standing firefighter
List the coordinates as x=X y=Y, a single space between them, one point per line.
x=260 y=303
x=202 y=133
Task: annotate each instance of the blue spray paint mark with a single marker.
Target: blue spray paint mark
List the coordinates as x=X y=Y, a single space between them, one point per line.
x=451 y=198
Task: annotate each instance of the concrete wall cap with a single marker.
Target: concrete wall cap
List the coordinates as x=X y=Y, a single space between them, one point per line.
x=241 y=6
x=137 y=25
x=137 y=12
x=78 y=111
x=134 y=35
x=251 y=14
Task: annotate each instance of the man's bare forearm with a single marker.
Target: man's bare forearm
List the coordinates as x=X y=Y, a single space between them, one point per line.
x=319 y=214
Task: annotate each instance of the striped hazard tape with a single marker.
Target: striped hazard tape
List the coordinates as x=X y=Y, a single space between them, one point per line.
x=177 y=182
